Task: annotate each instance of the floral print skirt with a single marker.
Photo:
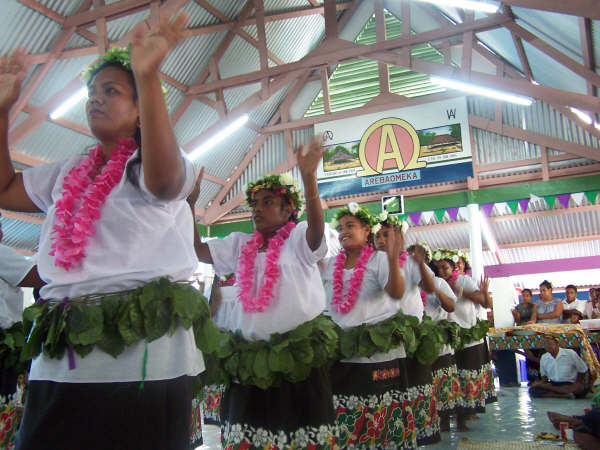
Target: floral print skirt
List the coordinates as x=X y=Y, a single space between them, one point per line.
x=423 y=402
x=211 y=403
x=291 y=416
x=373 y=405
x=446 y=385
x=476 y=379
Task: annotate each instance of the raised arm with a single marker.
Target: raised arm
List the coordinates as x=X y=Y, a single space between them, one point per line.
x=395 y=245
x=162 y=161
x=202 y=250
x=308 y=161
x=12 y=190
x=427 y=283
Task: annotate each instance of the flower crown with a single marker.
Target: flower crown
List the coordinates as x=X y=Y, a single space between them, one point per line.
x=384 y=218
x=118 y=56
x=445 y=253
x=428 y=253
x=281 y=184
x=464 y=256
x=354 y=209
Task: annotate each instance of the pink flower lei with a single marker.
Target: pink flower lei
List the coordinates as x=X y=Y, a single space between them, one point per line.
x=245 y=275
x=344 y=304
x=82 y=199
x=453 y=278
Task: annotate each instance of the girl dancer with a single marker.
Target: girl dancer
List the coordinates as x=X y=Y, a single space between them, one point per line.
x=439 y=306
x=471 y=361
x=364 y=288
x=116 y=219
x=420 y=380
x=280 y=391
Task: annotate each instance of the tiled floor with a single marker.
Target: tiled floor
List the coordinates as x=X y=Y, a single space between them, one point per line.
x=514 y=417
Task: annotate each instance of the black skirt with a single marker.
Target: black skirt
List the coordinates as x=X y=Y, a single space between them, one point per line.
x=298 y=415
x=104 y=416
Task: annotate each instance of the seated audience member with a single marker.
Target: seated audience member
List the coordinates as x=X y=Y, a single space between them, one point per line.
x=592 y=308
x=573 y=308
x=564 y=373
x=525 y=312
x=586 y=428
x=549 y=309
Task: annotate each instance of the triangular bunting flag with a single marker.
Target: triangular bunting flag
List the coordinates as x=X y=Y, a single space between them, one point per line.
x=487 y=208
x=439 y=214
x=513 y=205
x=427 y=216
x=415 y=218
x=464 y=212
x=578 y=198
x=591 y=196
x=403 y=217
x=550 y=200
x=453 y=213
x=524 y=203
x=564 y=200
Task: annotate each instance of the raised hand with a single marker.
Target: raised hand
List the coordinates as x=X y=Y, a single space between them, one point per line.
x=309 y=157
x=419 y=254
x=12 y=74
x=148 y=49
x=484 y=284
x=395 y=243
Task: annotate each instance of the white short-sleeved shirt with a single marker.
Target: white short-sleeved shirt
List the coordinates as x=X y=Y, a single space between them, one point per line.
x=373 y=304
x=579 y=305
x=138 y=239
x=433 y=308
x=563 y=368
x=13 y=268
x=465 y=313
x=411 y=302
x=298 y=294
x=228 y=300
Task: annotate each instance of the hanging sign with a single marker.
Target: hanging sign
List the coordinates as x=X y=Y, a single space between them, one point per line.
x=411 y=146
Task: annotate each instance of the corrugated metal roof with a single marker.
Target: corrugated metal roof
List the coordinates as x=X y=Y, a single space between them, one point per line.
x=59 y=75
x=197 y=118
x=52 y=142
x=19 y=234
x=187 y=60
x=40 y=30
x=354 y=83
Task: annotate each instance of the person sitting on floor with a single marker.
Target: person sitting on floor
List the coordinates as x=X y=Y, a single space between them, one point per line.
x=573 y=308
x=563 y=373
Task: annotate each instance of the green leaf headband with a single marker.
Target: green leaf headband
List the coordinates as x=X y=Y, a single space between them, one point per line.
x=280 y=184
x=354 y=209
x=117 y=56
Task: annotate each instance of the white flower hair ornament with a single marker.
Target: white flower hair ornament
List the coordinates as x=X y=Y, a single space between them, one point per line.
x=382 y=216
x=375 y=228
x=353 y=207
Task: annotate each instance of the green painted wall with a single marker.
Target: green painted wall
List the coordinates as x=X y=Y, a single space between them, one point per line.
x=432 y=202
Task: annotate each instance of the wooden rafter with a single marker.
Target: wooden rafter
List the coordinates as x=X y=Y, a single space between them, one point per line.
x=585 y=34
x=353 y=51
x=580 y=69
x=539 y=139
